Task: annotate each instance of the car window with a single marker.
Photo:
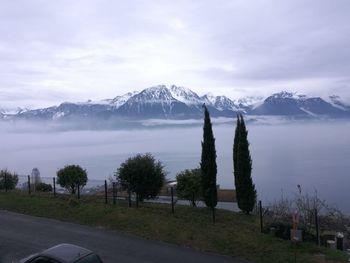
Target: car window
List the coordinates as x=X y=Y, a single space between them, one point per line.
x=92 y=258
x=43 y=260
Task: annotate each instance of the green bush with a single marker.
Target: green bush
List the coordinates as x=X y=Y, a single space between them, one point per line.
x=72 y=176
x=141 y=174
x=42 y=187
x=8 y=180
x=189 y=185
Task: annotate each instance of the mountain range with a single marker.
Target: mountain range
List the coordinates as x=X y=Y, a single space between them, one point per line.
x=182 y=103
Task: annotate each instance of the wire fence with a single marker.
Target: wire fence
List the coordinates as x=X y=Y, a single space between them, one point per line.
x=308 y=221
x=278 y=219
x=110 y=191
x=92 y=186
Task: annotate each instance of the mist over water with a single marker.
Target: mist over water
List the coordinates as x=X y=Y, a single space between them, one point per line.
x=315 y=155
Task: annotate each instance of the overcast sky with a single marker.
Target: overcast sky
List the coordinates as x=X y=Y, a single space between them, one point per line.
x=54 y=51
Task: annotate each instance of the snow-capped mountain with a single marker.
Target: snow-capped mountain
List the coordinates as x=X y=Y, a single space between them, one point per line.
x=13 y=110
x=185 y=95
x=337 y=102
x=209 y=98
x=120 y=100
x=158 y=101
x=249 y=101
x=221 y=103
x=68 y=110
x=179 y=102
x=293 y=104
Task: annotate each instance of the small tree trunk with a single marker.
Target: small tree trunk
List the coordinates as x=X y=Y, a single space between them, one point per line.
x=193 y=201
x=137 y=199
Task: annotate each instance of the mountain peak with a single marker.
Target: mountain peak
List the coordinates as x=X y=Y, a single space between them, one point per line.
x=337 y=102
x=157 y=89
x=156 y=94
x=120 y=100
x=283 y=95
x=185 y=95
x=209 y=98
x=288 y=95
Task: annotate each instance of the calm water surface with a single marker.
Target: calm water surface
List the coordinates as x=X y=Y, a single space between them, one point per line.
x=314 y=155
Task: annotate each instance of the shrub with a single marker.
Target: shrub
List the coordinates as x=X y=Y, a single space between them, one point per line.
x=8 y=180
x=72 y=176
x=305 y=205
x=141 y=174
x=189 y=185
x=43 y=187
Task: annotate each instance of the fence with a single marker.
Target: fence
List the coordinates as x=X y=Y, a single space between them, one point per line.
x=110 y=192
x=310 y=220
x=275 y=220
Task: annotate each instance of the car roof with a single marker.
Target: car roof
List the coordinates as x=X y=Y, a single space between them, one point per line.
x=66 y=253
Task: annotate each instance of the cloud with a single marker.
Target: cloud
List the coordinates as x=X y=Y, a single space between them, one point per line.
x=77 y=50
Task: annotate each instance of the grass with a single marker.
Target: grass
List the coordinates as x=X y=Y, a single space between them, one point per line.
x=233 y=234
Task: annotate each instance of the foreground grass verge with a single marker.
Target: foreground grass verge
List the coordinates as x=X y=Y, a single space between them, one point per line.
x=233 y=234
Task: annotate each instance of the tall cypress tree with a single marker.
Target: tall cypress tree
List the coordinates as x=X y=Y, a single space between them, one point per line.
x=245 y=189
x=235 y=154
x=208 y=163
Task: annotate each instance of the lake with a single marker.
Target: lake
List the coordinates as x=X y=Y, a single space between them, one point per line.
x=315 y=155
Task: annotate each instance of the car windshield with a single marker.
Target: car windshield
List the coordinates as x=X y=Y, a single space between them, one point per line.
x=92 y=258
x=43 y=260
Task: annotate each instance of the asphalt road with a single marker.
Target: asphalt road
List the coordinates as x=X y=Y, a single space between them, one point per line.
x=22 y=235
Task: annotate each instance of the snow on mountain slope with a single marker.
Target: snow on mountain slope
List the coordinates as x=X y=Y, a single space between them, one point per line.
x=157 y=94
x=208 y=99
x=120 y=100
x=337 y=102
x=293 y=104
x=179 y=102
x=288 y=95
x=249 y=102
x=223 y=103
x=154 y=101
x=185 y=95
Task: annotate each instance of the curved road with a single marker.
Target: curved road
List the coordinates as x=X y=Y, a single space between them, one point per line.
x=22 y=235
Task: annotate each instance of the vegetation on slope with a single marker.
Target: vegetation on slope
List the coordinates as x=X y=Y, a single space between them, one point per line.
x=233 y=234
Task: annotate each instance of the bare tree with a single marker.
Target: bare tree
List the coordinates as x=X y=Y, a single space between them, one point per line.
x=305 y=205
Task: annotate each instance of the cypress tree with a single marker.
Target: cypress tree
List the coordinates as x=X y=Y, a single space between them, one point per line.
x=208 y=163
x=245 y=189
x=235 y=153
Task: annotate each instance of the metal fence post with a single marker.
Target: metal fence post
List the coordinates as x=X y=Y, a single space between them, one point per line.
x=29 y=190
x=137 y=199
x=317 y=228
x=213 y=207
x=261 y=216
x=54 y=186
x=114 y=194
x=106 y=200
x=78 y=191
x=129 y=195
x=172 y=200
x=214 y=219
x=5 y=182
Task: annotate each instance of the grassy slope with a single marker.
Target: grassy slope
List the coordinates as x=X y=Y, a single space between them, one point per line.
x=233 y=234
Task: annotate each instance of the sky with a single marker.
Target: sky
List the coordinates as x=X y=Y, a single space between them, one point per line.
x=55 y=51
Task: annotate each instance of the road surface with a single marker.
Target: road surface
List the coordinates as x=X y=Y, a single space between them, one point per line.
x=22 y=235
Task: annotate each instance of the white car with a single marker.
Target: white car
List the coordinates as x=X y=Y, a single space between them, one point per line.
x=63 y=253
